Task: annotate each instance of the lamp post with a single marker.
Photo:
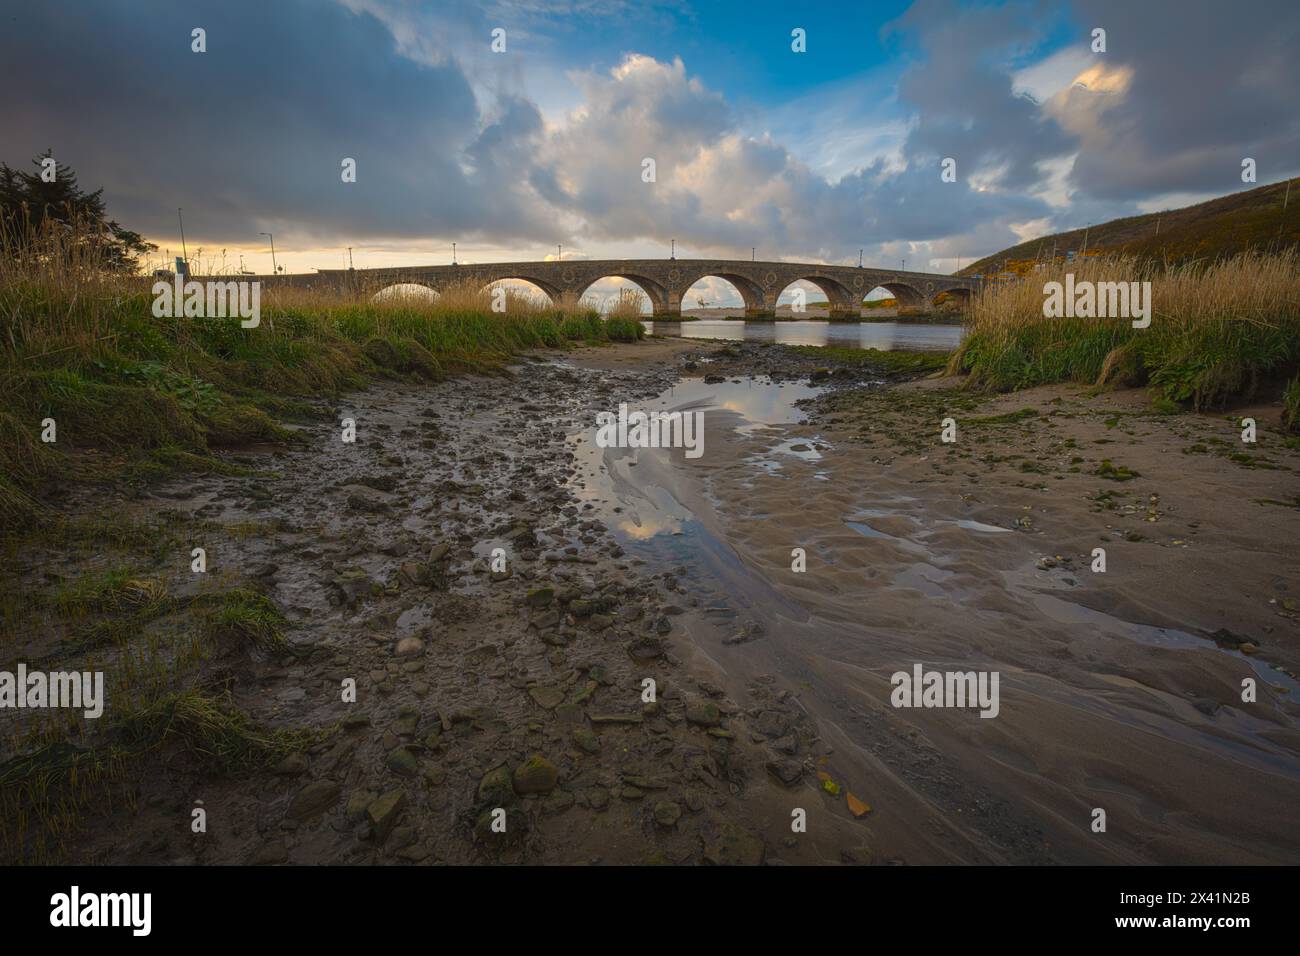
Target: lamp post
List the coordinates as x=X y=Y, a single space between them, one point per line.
x=453 y=253
x=673 y=253
x=184 y=252
x=274 y=268
x=559 y=252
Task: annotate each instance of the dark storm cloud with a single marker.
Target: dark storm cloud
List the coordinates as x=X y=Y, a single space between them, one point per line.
x=961 y=90
x=252 y=133
x=1211 y=83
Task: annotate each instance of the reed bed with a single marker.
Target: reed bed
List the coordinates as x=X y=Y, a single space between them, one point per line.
x=1220 y=331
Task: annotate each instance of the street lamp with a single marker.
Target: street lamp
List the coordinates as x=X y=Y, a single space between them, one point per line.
x=453 y=253
x=274 y=267
x=184 y=251
x=673 y=253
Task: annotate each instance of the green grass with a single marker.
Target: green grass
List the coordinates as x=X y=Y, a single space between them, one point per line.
x=46 y=790
x=1218 y=333
x=1291 y=406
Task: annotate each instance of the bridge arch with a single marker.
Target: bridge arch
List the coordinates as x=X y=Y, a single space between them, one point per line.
x=550 y=290
x=959 y=295
x=751 y=292
x=843 y=303
x=905 y=294
x=653 y=290
x=397 y=291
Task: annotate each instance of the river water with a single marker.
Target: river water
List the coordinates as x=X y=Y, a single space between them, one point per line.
x=887 y=336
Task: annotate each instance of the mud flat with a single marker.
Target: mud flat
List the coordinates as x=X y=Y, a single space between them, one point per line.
x=523 y=691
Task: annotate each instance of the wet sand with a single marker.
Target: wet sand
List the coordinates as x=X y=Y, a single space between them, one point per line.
x=524 y=690
x=1114 y=695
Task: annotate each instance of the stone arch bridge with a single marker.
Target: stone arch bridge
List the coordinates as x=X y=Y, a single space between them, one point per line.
x=664 y=281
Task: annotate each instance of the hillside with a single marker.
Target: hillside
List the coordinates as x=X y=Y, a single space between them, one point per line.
x=1252 y=219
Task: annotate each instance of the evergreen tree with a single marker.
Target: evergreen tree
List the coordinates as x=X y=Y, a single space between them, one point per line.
x=33 y=209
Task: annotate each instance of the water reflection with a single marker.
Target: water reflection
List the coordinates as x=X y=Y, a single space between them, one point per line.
x=887 y=336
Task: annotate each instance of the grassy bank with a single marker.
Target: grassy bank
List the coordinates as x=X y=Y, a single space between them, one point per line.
x=1219 y=332
x=151 y=396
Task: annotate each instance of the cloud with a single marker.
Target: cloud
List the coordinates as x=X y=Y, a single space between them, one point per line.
x=451 y=143
x=251 y=135
x=963 y=90
x=1203 y=89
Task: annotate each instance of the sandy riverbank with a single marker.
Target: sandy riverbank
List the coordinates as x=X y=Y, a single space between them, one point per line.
x=1113 y=696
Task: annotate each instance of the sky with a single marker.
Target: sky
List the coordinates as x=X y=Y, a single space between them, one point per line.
x=540 y=149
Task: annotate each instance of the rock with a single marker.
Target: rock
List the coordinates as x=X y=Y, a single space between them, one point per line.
x=772 y=723
x=408 y=719
x=645 y=649
x=789 y=772
x=734 y=846
x=1207 y=705
x=401 y=837
x=416 y=573
x=352 y=585
x=292 y=765
x=788 y=744
x=384 y=811
x=313 y=800
x=586 y=741
x=547 y=697
x=402 y=762
x=597 y=798
x=409 y=647
x=438 y=553
x=367 y=500
x=496 y=788
x=667 y=814
x=358 y=800
x=545 y=619
x=356 y=721
x=536 y=775
x=540 y=597
x=703 y=713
